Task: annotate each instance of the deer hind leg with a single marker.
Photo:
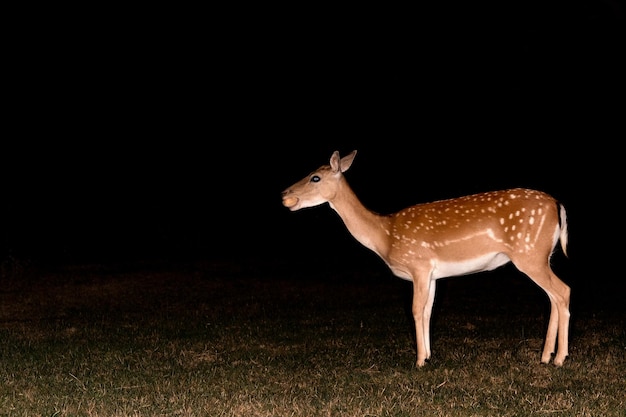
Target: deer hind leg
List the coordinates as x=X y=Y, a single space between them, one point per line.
x=558 y=326
x=423 y=297
x=561 y=300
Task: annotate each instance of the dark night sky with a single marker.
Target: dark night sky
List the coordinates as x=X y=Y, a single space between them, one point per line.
x=172 y=134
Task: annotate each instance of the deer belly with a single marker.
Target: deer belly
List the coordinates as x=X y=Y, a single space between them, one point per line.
x=481 y=263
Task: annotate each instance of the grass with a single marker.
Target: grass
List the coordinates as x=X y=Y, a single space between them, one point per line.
x=253 y=339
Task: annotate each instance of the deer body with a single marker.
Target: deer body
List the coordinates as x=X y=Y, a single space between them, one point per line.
x=453 y=237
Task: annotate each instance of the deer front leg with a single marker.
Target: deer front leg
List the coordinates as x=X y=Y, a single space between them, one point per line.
x=421 y=314
x=427 y=314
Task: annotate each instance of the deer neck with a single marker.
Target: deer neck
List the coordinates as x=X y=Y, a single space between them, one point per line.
x=367 y=227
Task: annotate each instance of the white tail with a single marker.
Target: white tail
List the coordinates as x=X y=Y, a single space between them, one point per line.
x=459 y=236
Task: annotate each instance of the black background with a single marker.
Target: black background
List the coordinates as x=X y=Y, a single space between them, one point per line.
x=170 y=134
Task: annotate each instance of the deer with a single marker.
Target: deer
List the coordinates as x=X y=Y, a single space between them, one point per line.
x=452 y=237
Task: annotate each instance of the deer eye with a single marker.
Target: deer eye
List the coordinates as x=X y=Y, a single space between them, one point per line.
x=315 y=178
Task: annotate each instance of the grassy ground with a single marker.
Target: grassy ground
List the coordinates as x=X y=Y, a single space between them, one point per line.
x=252 y=340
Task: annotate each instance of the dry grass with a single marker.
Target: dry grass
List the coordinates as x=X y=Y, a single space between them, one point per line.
x=257 y=340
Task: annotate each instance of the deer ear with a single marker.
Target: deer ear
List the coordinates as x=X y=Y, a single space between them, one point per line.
x=342 y=164
x=335 y=161
x=347 y=160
